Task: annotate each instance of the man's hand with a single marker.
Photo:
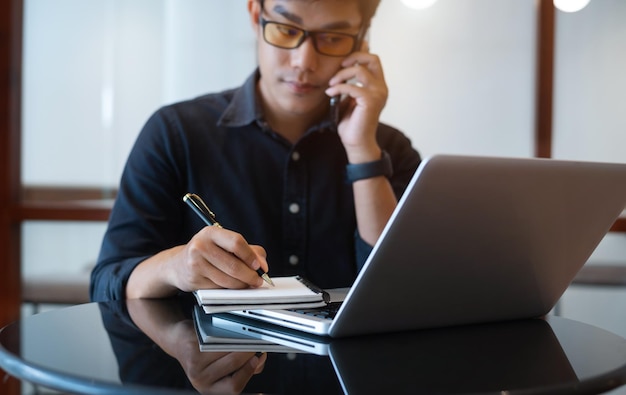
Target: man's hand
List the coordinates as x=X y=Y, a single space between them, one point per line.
x=218 y=258
x=213 y=258
x=362 y=81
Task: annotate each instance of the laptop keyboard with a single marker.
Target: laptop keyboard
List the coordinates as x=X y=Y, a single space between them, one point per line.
x=328 y=312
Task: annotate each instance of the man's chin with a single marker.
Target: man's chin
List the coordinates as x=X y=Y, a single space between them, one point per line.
x=301 y=108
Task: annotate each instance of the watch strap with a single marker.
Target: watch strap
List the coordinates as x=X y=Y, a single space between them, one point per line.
x=361 y=171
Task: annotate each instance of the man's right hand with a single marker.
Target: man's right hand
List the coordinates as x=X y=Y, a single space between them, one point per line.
x=213 y=258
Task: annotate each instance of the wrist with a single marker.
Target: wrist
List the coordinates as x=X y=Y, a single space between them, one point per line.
x=361 y=146
x=363 y=153
x=375 y=168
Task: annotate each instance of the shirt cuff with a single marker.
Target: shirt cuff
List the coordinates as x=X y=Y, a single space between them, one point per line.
x=362 y=251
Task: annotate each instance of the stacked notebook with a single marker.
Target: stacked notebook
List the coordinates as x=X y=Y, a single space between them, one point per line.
x=287 y=293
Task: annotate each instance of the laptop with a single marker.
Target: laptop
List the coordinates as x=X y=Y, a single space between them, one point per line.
x=212 y=338
x=472 y=240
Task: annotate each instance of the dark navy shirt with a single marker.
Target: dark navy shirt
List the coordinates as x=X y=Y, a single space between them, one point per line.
x=292 y=199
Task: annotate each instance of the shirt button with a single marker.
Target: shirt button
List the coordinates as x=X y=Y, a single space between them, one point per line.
x=294 y=208
x=295 y=156
x=293 y=260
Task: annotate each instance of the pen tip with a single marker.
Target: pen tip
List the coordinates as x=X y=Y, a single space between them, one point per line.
x=268 y=279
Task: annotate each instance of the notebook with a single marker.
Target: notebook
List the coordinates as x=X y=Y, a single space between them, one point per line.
x=287 y=292
x=475 y=239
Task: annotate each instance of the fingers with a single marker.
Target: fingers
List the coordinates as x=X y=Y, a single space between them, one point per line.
x=361 y=81
x=361 y=72
x=228 y=373
x=222 y=258
x=356 y=65
x=240 y=368
x=364 y=62
x=261 y=257
x=253 y=366
x=233 y=250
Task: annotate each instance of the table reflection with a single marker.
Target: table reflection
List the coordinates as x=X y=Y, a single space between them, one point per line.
x=156 y=344
x=152 y=347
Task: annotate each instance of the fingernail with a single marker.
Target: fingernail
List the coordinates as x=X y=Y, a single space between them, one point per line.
x=258 y=359
x=254 y=362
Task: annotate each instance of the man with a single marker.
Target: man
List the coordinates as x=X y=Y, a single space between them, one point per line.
x=296 y=192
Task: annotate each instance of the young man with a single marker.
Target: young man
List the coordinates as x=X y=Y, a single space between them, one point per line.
x=296 y=191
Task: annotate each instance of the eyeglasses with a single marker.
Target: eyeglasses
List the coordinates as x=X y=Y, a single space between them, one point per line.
x=286 y=36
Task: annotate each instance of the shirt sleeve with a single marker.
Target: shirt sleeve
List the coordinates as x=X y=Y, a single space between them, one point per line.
x=362 y=250
x=145 y=218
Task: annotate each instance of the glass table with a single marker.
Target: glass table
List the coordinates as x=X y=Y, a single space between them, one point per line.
x=152 y=347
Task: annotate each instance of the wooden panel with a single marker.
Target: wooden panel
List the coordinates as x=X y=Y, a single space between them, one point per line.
x=64 y=204
x=63 y=211
x=10 y=87
x=32 y=193
x=619 y=225
x=10 y=100
x=544 y=78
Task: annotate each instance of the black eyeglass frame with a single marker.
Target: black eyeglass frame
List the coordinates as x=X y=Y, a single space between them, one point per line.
x=308 y=33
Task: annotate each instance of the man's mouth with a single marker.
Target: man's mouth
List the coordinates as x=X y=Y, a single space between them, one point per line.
x=301 y=88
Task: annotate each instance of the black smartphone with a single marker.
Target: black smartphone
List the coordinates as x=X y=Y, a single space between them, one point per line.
x=334 y=109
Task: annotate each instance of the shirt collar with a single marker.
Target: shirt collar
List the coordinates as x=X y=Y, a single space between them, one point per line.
x=245 y=108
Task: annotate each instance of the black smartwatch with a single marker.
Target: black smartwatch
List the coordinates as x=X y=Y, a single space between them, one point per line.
x=361 y=171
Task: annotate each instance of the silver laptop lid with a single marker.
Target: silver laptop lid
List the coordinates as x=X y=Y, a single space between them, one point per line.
x=479 y=239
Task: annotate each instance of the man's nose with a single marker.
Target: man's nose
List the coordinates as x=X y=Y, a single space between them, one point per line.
x=305 y=56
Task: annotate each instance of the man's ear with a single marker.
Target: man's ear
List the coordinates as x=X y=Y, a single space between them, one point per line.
x=254 y=9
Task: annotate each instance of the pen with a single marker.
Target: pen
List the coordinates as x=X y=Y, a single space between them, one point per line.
x=197 y=204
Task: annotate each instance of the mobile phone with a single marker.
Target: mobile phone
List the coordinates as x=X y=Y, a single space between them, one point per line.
x=334 y=109
x=335 y=100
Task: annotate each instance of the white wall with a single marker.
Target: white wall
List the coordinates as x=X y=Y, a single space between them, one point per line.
x=208 y=46
x=89 y=72
x=97 y=69
x=590 y=124
x=460 y=74
x=461 y=79
x=590 y=86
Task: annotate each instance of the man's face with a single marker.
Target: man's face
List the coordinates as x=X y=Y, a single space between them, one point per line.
x=294 y=80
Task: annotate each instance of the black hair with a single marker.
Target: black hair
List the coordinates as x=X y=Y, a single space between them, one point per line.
x=367 y=8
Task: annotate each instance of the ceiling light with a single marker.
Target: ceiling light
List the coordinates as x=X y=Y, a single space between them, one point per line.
x=570 y=5
x=418 y=4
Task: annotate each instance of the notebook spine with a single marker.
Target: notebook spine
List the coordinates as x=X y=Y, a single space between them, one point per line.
x=314 y=288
